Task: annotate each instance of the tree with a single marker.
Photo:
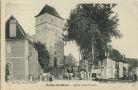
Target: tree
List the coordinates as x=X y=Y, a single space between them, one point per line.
x=92 y=26
x=43 y=55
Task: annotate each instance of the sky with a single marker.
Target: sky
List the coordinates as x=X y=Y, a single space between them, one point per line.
x=25 y=10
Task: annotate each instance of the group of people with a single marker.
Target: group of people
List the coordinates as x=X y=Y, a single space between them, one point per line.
x=131 y=75
x=33 y=77
x=68 y=76
x=46 y=77
x=42 y=77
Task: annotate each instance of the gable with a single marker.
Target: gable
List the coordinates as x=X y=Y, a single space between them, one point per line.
x=13 y=30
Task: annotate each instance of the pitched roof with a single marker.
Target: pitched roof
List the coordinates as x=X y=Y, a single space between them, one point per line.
x=20 y=32
x=50 y=10
x=133 y=62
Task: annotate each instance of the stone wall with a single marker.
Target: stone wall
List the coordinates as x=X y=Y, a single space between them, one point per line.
x=15 y=57
x=34 y=66
x=16 y=68
x=15 y=48
x=49 y=30
x=22 y=59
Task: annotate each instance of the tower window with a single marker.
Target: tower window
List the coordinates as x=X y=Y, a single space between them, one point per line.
x=52 y=20
x=55 y=52
x=55 y=62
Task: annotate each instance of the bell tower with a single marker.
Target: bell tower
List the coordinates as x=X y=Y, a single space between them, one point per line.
x=49 y=28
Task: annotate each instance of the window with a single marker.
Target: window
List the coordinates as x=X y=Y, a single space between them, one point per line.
x=41 y=19
x=8 y=49
x=55 y=52
x=55 y=62
x=52 y=20
x=9 y=68
x=101 y=62
x=12 y=28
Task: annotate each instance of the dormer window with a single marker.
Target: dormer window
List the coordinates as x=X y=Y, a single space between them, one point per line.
x=12 y=28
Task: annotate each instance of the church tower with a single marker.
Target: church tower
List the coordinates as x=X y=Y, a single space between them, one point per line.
x=49 y=28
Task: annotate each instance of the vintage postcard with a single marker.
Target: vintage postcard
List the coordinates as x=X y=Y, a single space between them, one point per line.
x=69 y=44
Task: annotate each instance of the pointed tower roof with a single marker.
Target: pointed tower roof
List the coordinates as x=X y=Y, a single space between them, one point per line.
x=50 y=10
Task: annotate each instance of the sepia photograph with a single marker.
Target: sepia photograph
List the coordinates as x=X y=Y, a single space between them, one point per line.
x=78 y=43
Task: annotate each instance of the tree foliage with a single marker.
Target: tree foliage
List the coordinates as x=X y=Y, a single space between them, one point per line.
x=43 y=55
x=92 y=26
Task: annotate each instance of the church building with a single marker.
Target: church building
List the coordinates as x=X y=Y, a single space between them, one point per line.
x=49 y=29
